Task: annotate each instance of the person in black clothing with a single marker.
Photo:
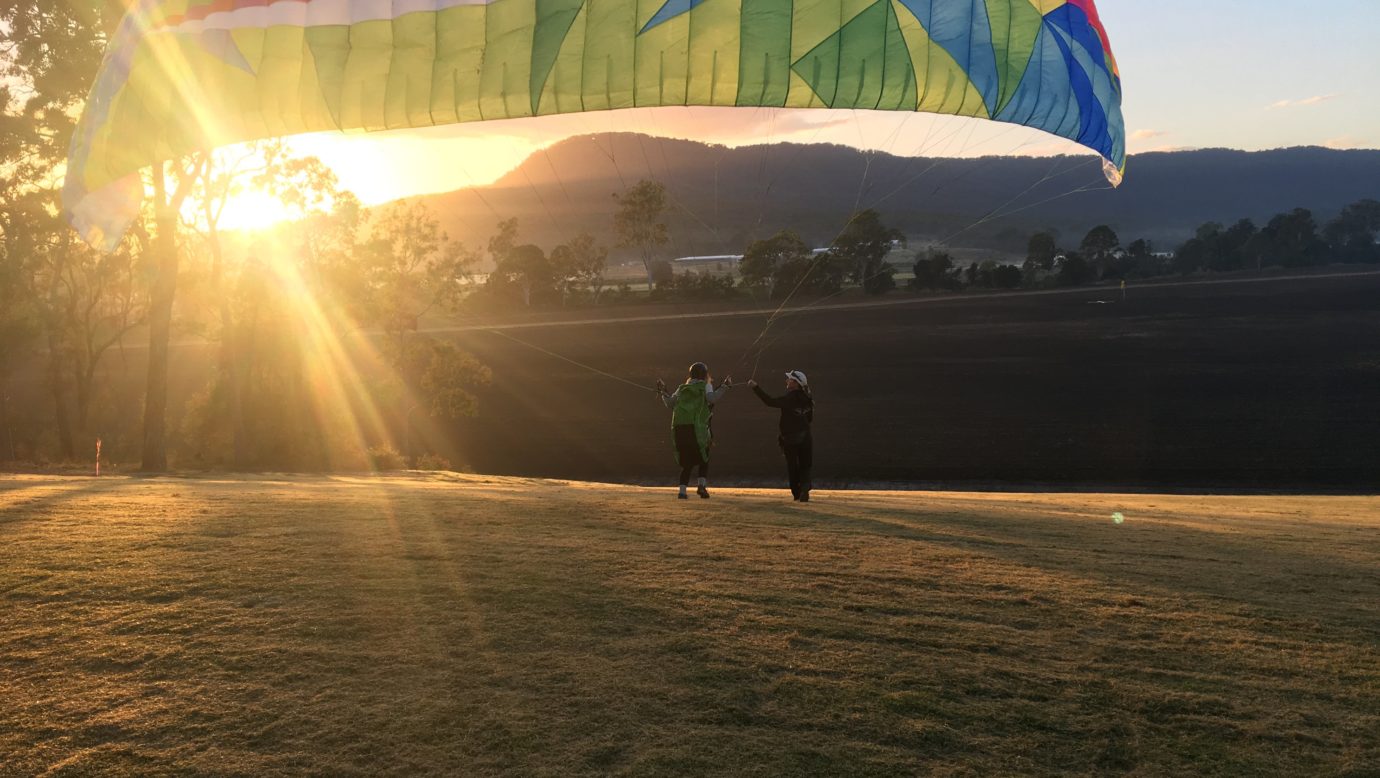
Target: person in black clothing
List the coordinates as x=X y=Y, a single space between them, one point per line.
x=797 y=413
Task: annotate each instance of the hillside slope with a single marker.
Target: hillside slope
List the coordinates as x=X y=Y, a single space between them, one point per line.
x=724 y=196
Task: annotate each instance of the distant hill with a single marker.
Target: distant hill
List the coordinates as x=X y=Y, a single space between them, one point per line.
x=724 y=197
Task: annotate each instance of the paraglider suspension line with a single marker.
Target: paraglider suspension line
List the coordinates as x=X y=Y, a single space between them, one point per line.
x=576 y=363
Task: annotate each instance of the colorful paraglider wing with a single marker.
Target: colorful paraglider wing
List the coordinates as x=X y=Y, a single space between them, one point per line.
x=185 y=75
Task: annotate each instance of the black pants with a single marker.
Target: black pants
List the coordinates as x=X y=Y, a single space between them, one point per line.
x=800 y=458
x=688 y=451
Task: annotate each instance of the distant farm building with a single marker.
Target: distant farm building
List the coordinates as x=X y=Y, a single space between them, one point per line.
x=716 y=263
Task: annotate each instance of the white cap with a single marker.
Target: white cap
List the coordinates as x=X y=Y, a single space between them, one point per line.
x=799 y=377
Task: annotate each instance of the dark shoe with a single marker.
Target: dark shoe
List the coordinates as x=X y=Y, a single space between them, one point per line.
x=682 y=496
x=804 y=497
x=702 y=492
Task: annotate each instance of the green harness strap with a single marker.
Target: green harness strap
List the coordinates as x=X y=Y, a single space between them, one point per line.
x=692 y=407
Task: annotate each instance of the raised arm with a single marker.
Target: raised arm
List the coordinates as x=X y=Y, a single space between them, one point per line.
x=771 y=402
x=713 y=395
x=667 y=398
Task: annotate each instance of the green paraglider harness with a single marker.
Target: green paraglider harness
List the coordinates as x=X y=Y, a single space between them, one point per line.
x=692 y=409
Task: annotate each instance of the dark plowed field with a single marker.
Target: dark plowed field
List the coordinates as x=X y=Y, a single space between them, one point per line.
x=1237 y=384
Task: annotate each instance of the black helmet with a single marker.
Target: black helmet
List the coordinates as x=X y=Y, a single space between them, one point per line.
x=699 y=371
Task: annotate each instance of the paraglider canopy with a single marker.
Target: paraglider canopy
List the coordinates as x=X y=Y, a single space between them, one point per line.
x=188 y=75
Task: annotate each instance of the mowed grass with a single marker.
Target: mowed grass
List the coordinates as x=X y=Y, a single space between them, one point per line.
x=468 y=625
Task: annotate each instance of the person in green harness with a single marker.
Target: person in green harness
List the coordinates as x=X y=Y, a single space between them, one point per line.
x=692 y=407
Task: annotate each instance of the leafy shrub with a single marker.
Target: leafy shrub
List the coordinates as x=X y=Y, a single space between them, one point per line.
x=384 y=458
x=662 y=272
x=696 y=288
x=809 y=276
x=431 y=462
x=935 y=270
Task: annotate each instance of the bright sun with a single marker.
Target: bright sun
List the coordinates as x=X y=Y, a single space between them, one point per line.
x=253 y=209
x=379 y=169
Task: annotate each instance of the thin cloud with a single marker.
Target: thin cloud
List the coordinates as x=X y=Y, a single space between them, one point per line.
x=1305 y=102
x=1148 y=134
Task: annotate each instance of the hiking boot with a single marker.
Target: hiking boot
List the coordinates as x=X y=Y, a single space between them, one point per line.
x=703 y=493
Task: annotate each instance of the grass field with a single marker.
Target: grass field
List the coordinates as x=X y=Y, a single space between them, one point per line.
x=471 y=626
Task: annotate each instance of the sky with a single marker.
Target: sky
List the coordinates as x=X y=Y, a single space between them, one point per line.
x=1243 y=74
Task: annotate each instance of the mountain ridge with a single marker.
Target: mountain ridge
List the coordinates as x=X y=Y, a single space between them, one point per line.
x=721 y=197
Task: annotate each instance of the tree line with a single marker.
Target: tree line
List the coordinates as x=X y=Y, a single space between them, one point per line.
x=1288 y=240
x=777 y=267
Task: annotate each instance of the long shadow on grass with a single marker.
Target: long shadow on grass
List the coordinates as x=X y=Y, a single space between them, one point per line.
x=588 y=659
x=27 y=508
x=602 y=675
x=1175 y=559
x=516 y=653
x=696 y=664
